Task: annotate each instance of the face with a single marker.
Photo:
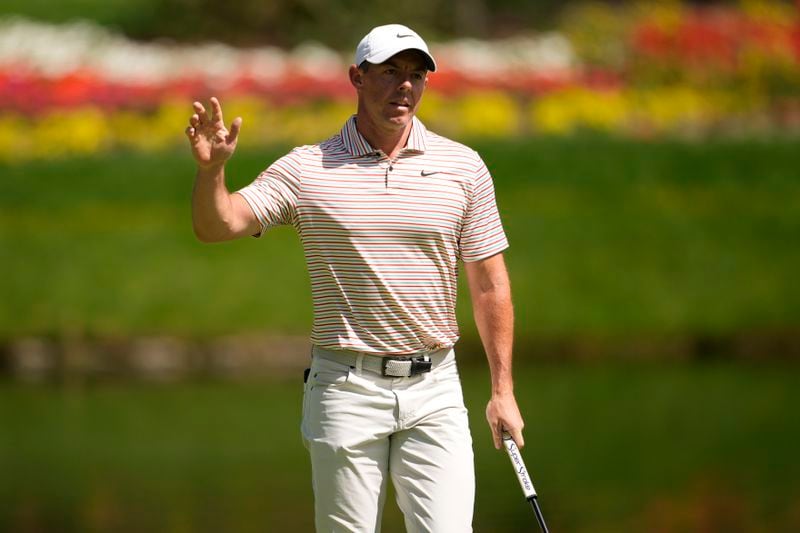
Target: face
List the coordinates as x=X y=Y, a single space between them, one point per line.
x=389 y=93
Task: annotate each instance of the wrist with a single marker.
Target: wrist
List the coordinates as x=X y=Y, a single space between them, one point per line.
x=502 y=382
x=503 y=391
x=210 y=169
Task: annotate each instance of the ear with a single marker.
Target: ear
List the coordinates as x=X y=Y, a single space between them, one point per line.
x=356 y=77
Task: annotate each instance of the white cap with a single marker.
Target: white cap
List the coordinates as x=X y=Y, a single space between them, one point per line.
x=385 y=41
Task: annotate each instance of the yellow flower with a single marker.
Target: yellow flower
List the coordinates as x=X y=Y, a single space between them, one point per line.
x=488 y=114
x=565 y=111
x=75 y=132
x=15 y=143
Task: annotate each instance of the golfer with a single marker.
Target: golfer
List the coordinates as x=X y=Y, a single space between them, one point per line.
x=385 y=209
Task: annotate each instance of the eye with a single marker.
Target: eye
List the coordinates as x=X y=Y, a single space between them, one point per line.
x=390 y=71
x=418 y=76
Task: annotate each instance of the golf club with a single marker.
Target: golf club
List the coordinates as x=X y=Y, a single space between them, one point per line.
x=524 y=479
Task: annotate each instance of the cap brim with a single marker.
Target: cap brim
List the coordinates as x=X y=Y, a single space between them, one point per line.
x=380 y=57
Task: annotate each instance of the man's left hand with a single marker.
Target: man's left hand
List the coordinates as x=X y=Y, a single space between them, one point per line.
x=503 y=414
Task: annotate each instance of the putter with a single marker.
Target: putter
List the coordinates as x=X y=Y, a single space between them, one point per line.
x=524 y=479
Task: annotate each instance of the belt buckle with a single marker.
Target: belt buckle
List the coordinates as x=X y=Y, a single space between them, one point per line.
x=421 y=364
x=405 y=367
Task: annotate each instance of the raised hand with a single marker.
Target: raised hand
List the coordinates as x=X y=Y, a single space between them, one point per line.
x=212 y=143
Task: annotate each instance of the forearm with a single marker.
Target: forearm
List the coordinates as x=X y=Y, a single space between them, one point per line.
x=494 y=317
x=212 y=209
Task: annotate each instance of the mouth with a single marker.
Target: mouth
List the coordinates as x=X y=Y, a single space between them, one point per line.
x=401 y=103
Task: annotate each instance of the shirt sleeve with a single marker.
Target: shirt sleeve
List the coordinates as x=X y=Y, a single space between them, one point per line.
x=482 y=232
x=273 y=194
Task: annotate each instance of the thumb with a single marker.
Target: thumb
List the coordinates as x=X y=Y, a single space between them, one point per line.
x=236 y=126
x=516 y=434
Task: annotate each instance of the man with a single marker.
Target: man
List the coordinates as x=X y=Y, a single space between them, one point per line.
x=384 y=209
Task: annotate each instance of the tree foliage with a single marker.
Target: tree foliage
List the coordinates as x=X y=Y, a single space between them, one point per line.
x=286 y=23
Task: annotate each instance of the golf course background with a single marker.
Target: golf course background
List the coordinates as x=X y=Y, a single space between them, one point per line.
x=651 y=196
x=608 y=237
x=660 y=242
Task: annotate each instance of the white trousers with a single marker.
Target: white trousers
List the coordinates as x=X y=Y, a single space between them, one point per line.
x=361 y=428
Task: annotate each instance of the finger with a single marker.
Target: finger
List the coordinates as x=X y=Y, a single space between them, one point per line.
x=516 y=434
x=200 y=111
x=194 y=120
x=497 y=436
x=190 y=132
x=216 y=110
x=236 y=126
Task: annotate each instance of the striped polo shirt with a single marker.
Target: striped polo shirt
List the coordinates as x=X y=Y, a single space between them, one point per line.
x=382 y=238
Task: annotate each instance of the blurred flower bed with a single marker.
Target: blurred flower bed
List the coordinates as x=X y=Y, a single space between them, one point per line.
x=649 y=69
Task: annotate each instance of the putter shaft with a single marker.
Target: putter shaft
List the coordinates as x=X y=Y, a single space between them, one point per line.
x=538 y=512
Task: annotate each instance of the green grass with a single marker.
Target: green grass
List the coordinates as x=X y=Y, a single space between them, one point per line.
x=620 y=236
x=625 y=448
x=607 y=237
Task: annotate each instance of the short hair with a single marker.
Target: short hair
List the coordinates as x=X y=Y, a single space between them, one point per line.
x=364 y=66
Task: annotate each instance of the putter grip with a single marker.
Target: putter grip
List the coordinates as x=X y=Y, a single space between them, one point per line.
x=519 y=466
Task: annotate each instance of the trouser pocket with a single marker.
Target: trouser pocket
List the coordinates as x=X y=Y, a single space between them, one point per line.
x=327 y=373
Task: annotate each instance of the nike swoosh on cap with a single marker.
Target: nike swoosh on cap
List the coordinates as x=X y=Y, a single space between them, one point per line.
x=401 y=36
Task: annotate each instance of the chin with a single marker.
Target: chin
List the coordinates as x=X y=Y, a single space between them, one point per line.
x=401 y=120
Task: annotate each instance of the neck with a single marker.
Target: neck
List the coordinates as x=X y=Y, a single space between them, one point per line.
x=388 y=140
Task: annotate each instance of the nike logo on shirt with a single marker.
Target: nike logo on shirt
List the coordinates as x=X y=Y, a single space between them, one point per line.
x=423 y=173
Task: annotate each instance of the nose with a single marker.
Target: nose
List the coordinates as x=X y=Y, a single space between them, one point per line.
x=405 y=83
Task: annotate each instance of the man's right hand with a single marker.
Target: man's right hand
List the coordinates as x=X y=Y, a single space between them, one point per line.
x=212 y=143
